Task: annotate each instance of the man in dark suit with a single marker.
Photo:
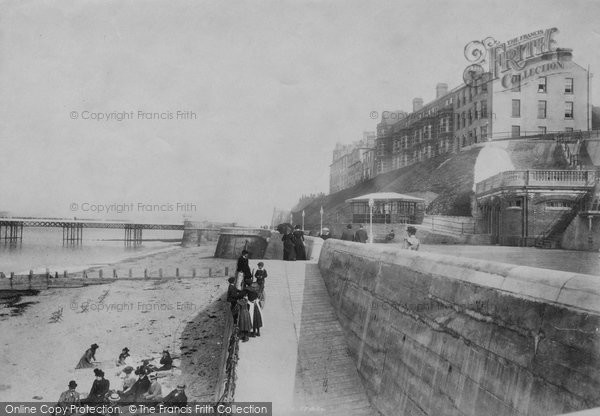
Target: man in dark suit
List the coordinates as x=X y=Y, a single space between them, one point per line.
x=243 y=266
x=361 y=235
x=176 y=398
x=348 y=234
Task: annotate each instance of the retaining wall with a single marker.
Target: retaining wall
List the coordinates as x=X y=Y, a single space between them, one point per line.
x=442 y=335
x=233 y=240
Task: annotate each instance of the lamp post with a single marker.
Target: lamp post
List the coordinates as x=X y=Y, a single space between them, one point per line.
x=321 y=212
x=371 y=203
x=302 y=220
x=386 y=210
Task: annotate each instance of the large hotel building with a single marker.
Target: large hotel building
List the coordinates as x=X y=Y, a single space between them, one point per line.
x=529 y=88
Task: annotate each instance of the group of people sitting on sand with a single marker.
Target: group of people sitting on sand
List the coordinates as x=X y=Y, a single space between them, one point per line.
x=138 y=386
x=247 y=302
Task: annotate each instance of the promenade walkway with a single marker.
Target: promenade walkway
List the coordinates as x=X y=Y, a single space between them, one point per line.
x=300 y=362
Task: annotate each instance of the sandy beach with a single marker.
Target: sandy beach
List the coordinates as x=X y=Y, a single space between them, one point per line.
x=42 y=345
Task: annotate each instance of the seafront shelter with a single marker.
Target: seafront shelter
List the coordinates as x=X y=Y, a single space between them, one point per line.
x=388 y=208
x=533 y=207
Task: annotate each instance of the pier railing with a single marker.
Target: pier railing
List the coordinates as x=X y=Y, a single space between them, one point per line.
x=582 y=179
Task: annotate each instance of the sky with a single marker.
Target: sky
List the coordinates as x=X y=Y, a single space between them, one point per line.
x=253 y=95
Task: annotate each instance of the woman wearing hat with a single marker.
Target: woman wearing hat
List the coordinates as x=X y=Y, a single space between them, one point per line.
x=166 y=362
x=135 y=393
x=128 y=377
x=89 y=356
x=99 y=388
x=123 y=356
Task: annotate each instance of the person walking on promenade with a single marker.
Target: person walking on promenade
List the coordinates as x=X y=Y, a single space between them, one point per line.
x=88 y=358
x=348 y=234
x=299 y=243
x=243 y=266
x=261 y=275
x=289 y=246
x=361 y=235
x=411 y=242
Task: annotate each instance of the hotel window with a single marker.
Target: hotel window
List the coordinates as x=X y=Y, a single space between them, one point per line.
x=458 y=121
x=484 y=87
x=568 y=85
x=516 y=82
x=516 y=108
x=464 y=119
x=470 y=117
x=515 y=203
x=542 y=129
x=569 y=129
x=483 y=133
x=515 y=131
x=541 y=109
x=484 y=109
x=542 y=84
x=569 y=110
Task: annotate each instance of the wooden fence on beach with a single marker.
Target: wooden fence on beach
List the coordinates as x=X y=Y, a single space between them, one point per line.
x=48 y=280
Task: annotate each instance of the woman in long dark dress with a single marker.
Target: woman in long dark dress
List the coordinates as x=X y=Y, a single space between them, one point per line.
x=100 y=387
x=255 y=310
x=244 y=321
x=299 y=243
x=289 y=246
x=88 y=358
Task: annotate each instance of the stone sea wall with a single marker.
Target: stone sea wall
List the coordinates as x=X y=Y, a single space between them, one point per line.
x=442 y=335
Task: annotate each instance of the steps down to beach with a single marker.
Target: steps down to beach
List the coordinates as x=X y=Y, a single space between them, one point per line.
x=300 y=362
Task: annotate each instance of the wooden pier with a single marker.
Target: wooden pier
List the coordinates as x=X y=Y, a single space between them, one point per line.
x=11 y=229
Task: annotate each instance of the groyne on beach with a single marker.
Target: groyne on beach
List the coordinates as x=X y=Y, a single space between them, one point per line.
x=183 y=314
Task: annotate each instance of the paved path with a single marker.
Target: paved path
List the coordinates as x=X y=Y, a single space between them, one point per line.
x=300 y=362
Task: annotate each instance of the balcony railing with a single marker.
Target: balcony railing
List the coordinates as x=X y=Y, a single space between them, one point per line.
x=538 y=178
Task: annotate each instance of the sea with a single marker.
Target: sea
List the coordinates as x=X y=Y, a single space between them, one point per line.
x=43 y=248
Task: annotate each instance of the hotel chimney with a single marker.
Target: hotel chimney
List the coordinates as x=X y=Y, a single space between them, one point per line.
x=441 y=89
x=417 y=104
